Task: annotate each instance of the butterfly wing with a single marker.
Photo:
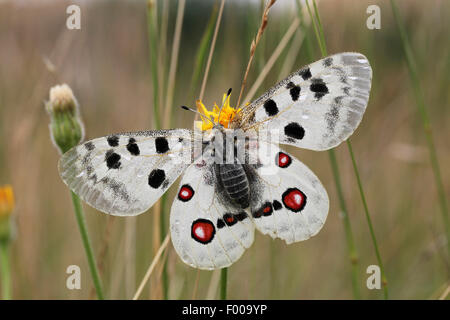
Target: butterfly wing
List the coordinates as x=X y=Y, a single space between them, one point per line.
x=317 y=107
x=207 y=232
x=291 y=203
x=124 y=174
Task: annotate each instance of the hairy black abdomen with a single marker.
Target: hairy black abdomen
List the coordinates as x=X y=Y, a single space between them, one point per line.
x=235 y=183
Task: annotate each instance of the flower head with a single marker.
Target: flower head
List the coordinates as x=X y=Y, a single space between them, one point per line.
x=66 y=127
x=227 y=114
x=6 y=208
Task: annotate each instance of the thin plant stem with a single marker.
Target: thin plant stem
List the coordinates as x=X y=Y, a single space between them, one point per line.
x=211 y=51
x=254 y=44
x=197 y=278
x=156 y=71
x=202 y=50
x=445 y=294
x=152 y=41
x=353 y=255
x=162 y=234
x=166 y=122
x=420 y=102
x=211 y=293
x=273 y=58
x=79 y=214
x=223 y=283
x=104 y=249
x=152 y=266
x=369 y=220
x=322 y=44
x=5 y=270
x=174 y=62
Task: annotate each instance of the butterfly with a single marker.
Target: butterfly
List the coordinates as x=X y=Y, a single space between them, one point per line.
x=219 y=204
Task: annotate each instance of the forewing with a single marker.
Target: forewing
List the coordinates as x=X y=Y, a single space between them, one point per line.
x=317 y=107
x=124 y=174
x=207 y=233
x=291 y=203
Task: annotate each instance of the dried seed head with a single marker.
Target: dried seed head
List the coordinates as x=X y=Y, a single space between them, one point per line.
x=66 y=127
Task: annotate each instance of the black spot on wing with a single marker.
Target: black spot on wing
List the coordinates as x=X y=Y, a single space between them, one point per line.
x=156 y=178
x=162 y=145
x=241 y=216
x=332 y=117
x=305 y=73
x=327 y=62
x=271 y=108
x=220 y=223
x=294 y=130
x=112 y=160
x=113 y=141
x=132 y=147
x=89 y=146
x=294 y=90
x=276 y=205
x=118 y=188
x=319 y=88
x=346 y=90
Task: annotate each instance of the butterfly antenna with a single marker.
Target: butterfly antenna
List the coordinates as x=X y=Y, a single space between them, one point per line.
x=223 y=103
x=195 y=111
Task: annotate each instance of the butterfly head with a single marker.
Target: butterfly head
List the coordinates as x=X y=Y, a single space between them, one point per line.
x=218 y=116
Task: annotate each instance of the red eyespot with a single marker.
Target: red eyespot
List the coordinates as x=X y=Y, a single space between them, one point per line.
x=267 y=210
x=229 y=219
x=294 y=199
x=283 y=160
x=203 y=231
x=186 y=193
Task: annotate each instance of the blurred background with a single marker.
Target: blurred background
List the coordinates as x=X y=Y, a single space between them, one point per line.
x=107 y=65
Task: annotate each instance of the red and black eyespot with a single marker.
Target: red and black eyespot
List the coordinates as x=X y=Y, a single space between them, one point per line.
x=294 y=200
x=186 y=193
x=230 y=219
x=283 y=160
x=265 y=210
x=203 y=231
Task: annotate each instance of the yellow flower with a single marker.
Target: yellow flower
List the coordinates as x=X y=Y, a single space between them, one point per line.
x=6 y=201
x=227 y=114
x=6 y=207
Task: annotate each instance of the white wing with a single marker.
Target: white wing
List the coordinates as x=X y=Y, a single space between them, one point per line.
x=206 y=232
x=124 y=174
x=318 y=106
x=291 y=204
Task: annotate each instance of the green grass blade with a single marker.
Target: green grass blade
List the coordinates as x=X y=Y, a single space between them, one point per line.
x=152 y=41
x=223 y=283
x=353 y=255
x=202 y=51
x=420 y=102
x=5 y=270
x=321 y=40
x=79 y=214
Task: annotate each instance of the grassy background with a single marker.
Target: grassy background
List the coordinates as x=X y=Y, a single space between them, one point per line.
x=107 y=65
